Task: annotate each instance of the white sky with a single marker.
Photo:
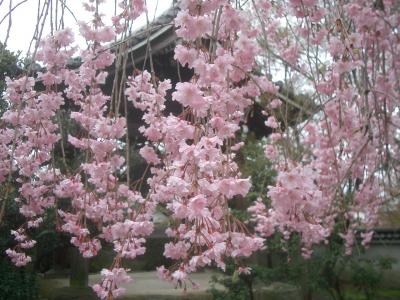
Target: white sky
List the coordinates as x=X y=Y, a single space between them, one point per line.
x=24 y=19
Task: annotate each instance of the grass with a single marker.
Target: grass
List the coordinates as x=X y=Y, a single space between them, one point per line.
x=381 y=294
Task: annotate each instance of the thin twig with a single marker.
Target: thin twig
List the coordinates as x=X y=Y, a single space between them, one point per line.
x=11 y=10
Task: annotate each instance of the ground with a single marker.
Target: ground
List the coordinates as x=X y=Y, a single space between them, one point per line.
x=145 y=285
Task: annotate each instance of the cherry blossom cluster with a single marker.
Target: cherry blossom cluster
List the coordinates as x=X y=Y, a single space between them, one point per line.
x=30 y=135
x=96 y=193
x=110 y=287
x=194 y=172
x=348 y=56
x=33 y=130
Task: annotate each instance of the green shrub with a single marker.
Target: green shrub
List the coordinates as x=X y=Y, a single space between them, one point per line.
x=17 y=283
x=366 y=274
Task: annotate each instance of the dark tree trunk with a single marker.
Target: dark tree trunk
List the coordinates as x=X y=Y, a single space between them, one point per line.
x=79 y=276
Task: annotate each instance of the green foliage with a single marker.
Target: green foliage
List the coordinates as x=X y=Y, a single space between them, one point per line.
x=235 y=290
x=328 y=273
x=9 y=67
x=380 y=294
x=253 y=163
x=366 y=274
x=17 y=283
x=238 y=287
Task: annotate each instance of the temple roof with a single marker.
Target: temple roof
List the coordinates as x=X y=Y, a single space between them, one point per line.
x=160 y=33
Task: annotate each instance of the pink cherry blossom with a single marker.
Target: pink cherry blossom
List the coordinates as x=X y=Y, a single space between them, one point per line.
x=149 y=155
x=343 y=170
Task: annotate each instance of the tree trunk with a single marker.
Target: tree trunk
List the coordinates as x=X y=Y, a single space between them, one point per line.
x=79 y=276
